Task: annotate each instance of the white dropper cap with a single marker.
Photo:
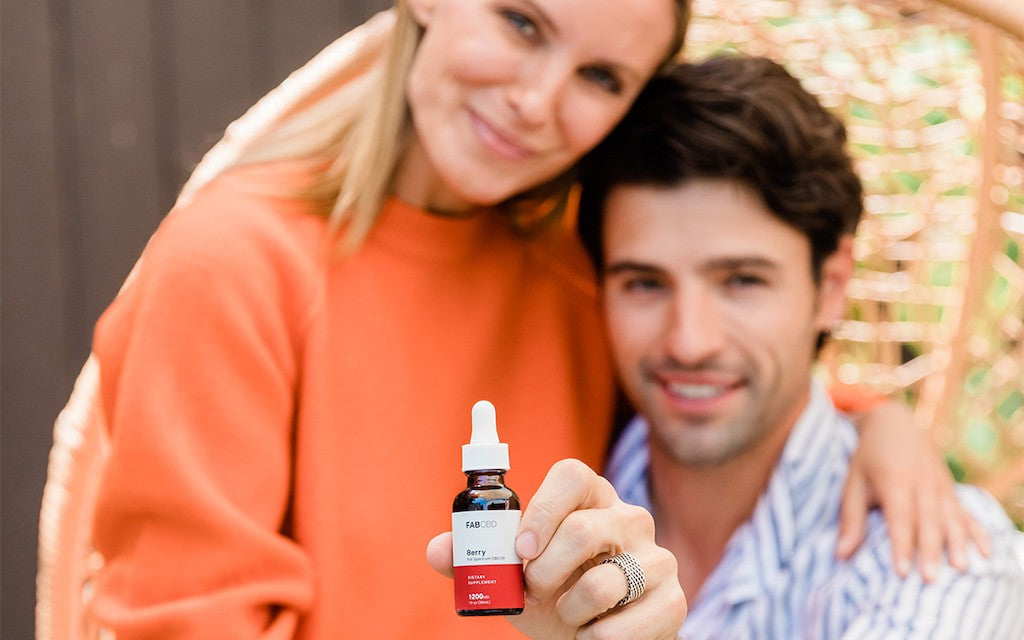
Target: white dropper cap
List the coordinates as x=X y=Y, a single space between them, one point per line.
x=484 y=451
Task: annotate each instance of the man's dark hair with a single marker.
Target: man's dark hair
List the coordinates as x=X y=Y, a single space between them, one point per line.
x=732 y=117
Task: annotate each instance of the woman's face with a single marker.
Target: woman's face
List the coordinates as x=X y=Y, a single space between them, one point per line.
x=506 y=94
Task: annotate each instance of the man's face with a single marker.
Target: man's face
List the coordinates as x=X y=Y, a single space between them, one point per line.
x=713 y=314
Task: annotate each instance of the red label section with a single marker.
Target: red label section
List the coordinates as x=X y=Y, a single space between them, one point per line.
x=494 y=586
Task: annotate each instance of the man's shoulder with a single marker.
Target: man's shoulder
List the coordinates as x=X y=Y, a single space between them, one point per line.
x=875 y=552
x=1007 y=542
x=985 y=509
x=870 y=598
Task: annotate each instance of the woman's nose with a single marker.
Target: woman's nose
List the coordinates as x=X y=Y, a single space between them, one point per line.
x=539 y=88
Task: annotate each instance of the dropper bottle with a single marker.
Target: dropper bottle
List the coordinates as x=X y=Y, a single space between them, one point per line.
x=485 y=519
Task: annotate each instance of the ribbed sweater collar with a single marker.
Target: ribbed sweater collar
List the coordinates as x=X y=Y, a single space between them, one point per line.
x=412 y=231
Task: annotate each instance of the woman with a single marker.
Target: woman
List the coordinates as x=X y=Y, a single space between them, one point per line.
x=289 y=373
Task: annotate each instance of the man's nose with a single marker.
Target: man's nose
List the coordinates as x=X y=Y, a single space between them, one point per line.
x=694 y=332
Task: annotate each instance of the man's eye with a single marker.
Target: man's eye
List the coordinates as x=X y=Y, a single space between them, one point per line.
x=603 y=78
x=641 y=285
x=744 y=280
x=521 y=24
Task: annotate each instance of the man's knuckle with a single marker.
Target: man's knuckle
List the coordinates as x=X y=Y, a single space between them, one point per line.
x=579 y=528
x=639 y=519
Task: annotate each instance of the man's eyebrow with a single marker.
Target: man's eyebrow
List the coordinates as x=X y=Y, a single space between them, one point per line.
x=741 y=262
x=629 y=265
x=715 y=264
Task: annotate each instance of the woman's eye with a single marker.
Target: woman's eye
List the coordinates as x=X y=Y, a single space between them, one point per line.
x=603 y=78
x=521 y=24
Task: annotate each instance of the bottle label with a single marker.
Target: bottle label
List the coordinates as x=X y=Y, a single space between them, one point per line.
x=488 y=573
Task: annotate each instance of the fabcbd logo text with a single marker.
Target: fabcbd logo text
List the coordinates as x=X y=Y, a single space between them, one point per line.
x=482 y=524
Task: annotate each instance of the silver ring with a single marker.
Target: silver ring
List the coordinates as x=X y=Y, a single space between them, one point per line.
x=635 y=580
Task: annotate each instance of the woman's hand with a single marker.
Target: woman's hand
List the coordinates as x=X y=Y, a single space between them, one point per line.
x=898 y=467
x=573 y=522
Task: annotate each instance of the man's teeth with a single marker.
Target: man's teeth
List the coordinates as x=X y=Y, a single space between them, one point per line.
x=696 y=391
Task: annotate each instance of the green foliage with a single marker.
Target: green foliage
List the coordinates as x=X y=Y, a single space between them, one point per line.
x=862 y=111
x=910 y=182
x=1000 y=293
x=981 y=438
x=1010 y=405
x=920 y=78
x=1013 y=85
x=975 y=380
x=956 y=468
x=942 y=274
x=935 y=116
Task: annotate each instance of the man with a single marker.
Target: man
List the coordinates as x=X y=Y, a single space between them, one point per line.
x=726 y=204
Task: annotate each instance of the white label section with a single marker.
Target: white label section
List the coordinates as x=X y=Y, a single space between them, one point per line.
x=485 y=537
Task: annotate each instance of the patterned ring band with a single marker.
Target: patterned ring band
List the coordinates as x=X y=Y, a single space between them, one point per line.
x=635 y=581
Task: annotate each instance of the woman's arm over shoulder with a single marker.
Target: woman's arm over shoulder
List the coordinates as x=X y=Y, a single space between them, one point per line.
x=199 y=359
x=869 y=599
x=898 y=467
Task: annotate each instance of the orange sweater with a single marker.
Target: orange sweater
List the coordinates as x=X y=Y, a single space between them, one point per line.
x=286 y=427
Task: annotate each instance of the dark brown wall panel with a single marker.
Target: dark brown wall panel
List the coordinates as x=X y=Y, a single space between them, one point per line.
x=218 y=67
x=33 y=381
x=119 y=198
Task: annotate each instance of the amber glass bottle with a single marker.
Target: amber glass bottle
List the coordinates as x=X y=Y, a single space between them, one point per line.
x=485 y=519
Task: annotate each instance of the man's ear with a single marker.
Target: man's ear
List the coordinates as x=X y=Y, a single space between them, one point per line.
x=421 y=11
x=836 y=271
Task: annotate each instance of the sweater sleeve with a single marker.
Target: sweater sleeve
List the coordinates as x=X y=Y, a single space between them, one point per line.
x=199 y=364
x=850 y=398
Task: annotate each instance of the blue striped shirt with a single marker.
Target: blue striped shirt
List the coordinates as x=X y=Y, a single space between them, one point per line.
x=778 y=577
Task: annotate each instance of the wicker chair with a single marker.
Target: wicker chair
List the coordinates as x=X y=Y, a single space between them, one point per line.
x=872 y=348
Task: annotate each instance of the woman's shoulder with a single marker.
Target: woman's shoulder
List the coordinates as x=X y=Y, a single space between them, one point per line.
x=249 y=213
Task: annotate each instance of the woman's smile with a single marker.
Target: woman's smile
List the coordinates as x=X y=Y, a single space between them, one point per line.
x=498 y=139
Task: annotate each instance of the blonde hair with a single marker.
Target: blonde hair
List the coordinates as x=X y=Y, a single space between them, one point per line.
x=367 y=149
x=346 y=112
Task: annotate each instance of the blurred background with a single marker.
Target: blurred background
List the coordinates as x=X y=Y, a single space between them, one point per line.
x=107 y=105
